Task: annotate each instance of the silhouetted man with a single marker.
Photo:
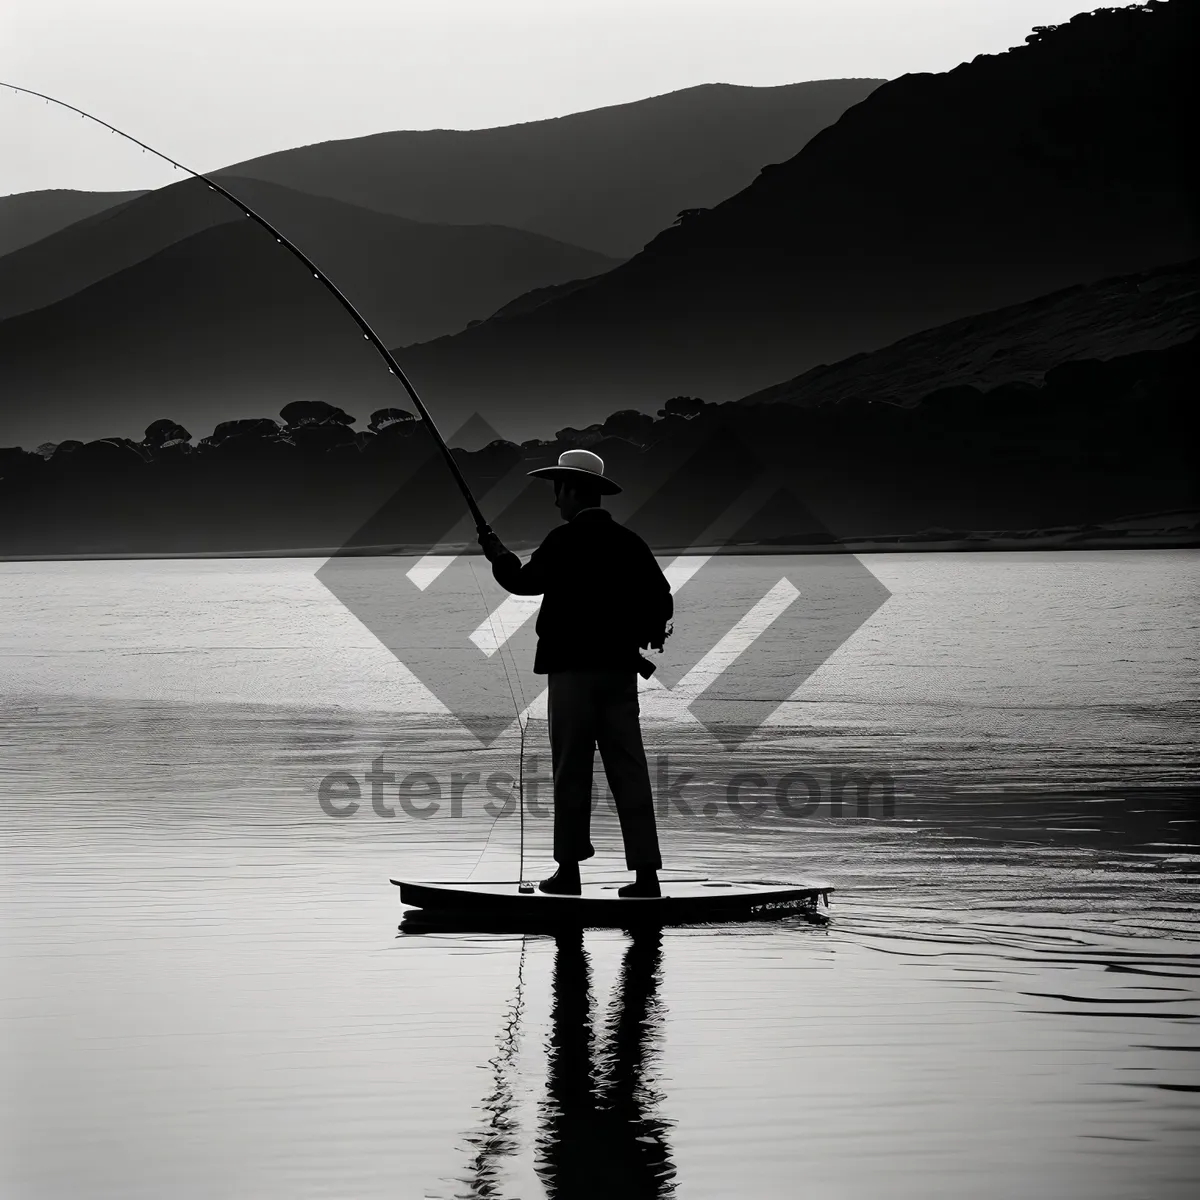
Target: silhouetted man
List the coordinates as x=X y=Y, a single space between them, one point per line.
x=605 y=598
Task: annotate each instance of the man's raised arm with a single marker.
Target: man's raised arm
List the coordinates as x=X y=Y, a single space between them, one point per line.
x=522 y=579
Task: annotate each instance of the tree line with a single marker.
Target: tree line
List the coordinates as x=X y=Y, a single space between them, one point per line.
x=1095 y=440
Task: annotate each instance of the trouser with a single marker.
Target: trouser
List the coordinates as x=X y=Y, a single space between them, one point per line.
x=589 y=709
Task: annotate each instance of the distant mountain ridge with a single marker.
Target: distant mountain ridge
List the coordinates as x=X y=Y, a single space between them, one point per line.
x=27 y=217
x=1061 y=162
x=416 y=280
x=609 y=178
x=76 y=352
x=224 y=319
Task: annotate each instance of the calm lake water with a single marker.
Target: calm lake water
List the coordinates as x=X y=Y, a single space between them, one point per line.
x=205 y=994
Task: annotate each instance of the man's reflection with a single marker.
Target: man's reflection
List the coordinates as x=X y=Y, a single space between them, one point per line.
x=598 y=1136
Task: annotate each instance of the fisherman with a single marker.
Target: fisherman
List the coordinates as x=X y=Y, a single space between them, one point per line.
x=605 y=599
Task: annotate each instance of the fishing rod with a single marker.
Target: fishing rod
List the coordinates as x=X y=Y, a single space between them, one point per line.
x=369 y=334
x=481 y=526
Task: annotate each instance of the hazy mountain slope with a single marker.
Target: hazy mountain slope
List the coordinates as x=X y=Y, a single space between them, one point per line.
x=78 y=255
x=609 y=178
x=1012 y=176
x=417 y=281
x=1127 y=315
x=183 y=334
x=27 y=217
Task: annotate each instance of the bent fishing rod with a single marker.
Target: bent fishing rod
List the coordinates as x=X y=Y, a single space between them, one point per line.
x=369 y=334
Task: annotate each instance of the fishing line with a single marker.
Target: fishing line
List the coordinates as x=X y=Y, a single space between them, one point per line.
x=520 y=789
x=368 y=333
x=496 y=1140
x=521 y=725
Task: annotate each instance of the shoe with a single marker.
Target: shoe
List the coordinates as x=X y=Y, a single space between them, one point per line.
x=561 y=883
x=644 y=887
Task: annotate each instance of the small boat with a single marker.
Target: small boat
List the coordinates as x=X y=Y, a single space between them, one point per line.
x=514 y=905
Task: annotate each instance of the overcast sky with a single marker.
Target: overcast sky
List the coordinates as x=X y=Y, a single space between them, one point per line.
x=213 y=82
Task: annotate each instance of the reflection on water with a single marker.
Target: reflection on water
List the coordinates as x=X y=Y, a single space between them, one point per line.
x=600 y=1133
x=203 y=992
x=498 y=1139
x=599 y=1136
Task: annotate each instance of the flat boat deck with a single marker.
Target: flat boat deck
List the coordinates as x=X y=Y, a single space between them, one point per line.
x=682 y=902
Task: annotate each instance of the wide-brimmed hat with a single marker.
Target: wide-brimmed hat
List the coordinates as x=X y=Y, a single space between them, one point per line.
x=580 y=465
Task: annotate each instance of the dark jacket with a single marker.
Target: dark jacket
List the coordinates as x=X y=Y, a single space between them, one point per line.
x=605 y=595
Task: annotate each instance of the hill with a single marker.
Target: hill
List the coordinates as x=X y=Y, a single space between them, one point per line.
x=417 y=280
x=1063 y=161
x=608 y=179
x=177 y=292
x=27 y=217
x=1018 y=344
